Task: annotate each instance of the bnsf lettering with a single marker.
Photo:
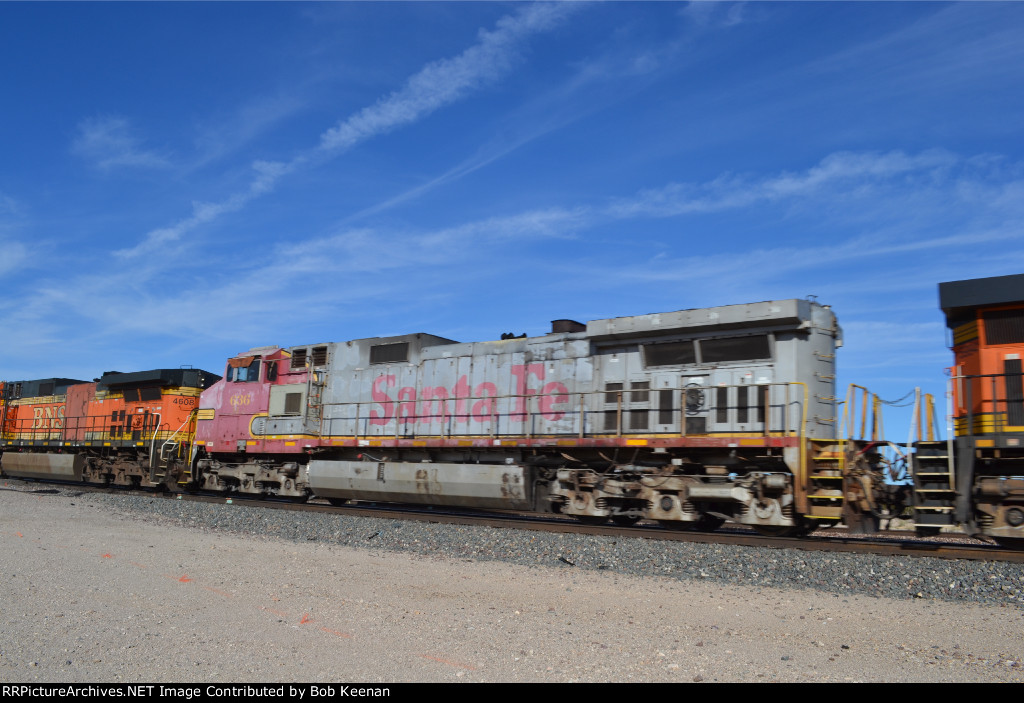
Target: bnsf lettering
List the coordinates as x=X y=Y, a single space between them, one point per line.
x=464 y=403
x=49 y=418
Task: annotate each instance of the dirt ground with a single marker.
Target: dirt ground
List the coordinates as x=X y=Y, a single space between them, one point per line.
x=94 y=597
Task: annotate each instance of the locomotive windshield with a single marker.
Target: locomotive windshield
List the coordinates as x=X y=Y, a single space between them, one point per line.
x=247 y=373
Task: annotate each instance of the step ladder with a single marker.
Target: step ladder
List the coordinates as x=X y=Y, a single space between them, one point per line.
x=825 y=491
x=934 y=491
x=314 y=415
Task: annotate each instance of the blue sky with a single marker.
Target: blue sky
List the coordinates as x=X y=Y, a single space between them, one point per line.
x=183 y=181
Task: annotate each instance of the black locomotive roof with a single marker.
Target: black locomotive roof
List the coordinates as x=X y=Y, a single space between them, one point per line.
x=958 y=299
x=38 y=387
x=194 y=378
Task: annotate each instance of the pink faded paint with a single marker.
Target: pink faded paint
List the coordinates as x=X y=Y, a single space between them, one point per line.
x=471 y=404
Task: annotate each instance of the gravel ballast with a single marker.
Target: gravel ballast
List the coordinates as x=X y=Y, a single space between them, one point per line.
x=841 y=573
x=280 y=595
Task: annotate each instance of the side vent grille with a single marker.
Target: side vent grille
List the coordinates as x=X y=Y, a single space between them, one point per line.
x=389 y=353
x=292 y=403
x=319 y=356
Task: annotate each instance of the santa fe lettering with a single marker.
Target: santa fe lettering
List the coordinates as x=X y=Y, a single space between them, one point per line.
x=435 y=402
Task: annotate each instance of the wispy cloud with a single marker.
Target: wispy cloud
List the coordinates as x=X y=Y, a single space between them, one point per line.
x=594 y=84
x=443 y=82
x=707 y=14
x=13 y=253
x=110 y=142
x=875 y=187
x=850 y=170
x=437 y=84
x=361 y=250
x=8 y=206
x=953 y=47
x=964 y=205
x=226 y=133
x=874 y=205
x=962 y=201
x=267 y=174
x=867 y=188
x=925 y=208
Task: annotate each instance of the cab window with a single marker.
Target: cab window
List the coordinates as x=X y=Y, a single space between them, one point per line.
x=249 y=373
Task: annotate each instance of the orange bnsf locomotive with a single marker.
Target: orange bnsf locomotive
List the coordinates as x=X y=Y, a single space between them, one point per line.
x=985 y=485
x=126 y=429
x=688 y=418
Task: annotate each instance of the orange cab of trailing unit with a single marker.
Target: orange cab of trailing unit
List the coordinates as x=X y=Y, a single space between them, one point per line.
x=986 y=318
x=142 y=406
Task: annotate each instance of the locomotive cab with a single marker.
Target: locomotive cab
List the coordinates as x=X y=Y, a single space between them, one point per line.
x=255 y=424
x=986 y=319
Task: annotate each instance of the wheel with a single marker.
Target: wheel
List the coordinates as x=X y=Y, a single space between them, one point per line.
x=337 y=501
x=625 y=520
x=592 y=519
x=806 y=527
x=707 y=523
